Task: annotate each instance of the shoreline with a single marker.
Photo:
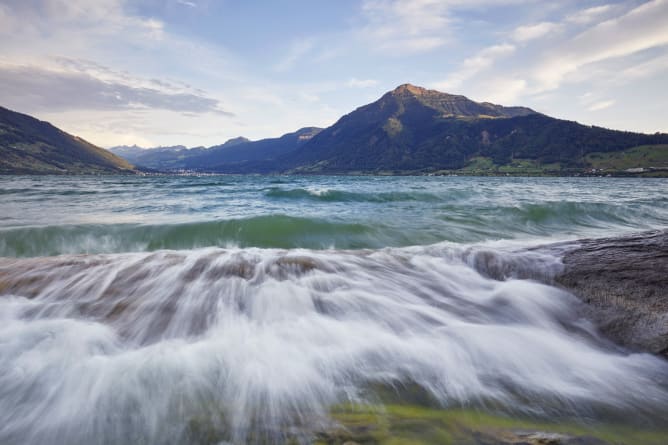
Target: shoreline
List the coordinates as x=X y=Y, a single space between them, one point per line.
x=651 y=173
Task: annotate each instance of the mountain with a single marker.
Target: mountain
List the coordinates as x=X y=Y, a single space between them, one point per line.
x=412 y=129
x=159 y=158
x=127 y=151
x=417 y=130
x=31 y=146
x=236 y=141
x=235 y=154
x=447 y=105
x=230 y=158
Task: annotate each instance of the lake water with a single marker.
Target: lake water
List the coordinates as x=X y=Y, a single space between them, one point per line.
x=132 y=308
x=55 y=215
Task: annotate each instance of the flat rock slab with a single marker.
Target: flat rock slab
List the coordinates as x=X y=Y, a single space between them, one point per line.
x=624 y=282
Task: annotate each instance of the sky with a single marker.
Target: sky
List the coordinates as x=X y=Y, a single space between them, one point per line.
x=199 y=72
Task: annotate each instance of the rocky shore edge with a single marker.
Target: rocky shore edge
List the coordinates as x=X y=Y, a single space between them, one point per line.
x=624 y=283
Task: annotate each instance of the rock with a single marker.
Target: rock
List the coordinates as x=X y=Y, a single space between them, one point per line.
x=533 y=438
x=541 y=438
x=624 y=282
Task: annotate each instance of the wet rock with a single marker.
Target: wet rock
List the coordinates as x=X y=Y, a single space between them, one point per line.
x=533 y=438
x=291 y=266
x=542 y=438
x=624 y=282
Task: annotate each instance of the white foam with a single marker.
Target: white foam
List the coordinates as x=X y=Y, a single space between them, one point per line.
x=139 y=347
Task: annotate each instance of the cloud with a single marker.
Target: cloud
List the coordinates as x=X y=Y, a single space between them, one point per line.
x=308 y=97
x=531 y=32
x=483 y=60
x=406 y=26
x=36 y=88
x=640 y=29
x=33 y=78
x=507 y=72
x=296 y=51
x=106 y=74
x=361 y=83
x=187 y=3
x=400 y=27
x=602 y=105
x=95 y=18
x=652 y=67
x=6 y=21
x=588 y=15
x=502 y=90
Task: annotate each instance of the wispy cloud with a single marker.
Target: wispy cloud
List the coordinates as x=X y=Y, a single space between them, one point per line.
x=531 y=32
x=640 y=29
x=361 y=83
x=646 y=69
x=483 y=60
x=536 y=70
x=295 y=52
x=589 y=15
x=95 y=18
x=37 y=88
x=187 y=3
x=601 y=105
x=401 y=26
x=502 y=90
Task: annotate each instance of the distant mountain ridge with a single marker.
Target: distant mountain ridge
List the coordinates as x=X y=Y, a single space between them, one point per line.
x=160 y=158
x=409 y=130
x=223 y=156
x=31 y=146
x=233 y=152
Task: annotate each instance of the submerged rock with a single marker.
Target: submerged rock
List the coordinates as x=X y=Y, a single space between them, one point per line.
x=533 y=438
x=416 y=425
x=624 y=282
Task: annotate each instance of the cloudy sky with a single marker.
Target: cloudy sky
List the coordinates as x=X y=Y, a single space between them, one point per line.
x=198 y=72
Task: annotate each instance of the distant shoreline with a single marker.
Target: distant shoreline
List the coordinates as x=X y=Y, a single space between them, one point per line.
x=644 y=175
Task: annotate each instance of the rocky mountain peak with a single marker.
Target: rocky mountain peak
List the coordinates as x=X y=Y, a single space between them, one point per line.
x=409 y=89
x=236 y=141
x=449 y=105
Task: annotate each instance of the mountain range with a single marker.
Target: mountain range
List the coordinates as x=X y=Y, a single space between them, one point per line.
x=416 y=130
x=235 y=154
x=410 y=130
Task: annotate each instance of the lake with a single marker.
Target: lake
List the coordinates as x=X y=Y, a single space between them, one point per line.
x=258 y=309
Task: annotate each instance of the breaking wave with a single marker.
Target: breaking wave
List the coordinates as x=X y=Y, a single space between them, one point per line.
x=453 y=223
x=330 y=195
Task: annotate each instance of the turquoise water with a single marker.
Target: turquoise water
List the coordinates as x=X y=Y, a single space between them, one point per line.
x=55 y=215
x=231 y=309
